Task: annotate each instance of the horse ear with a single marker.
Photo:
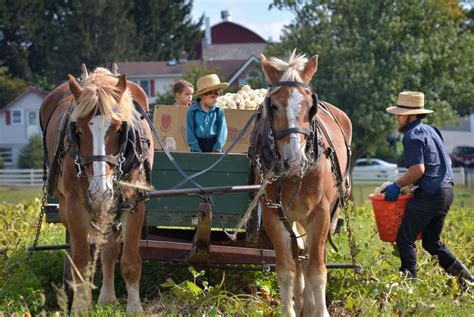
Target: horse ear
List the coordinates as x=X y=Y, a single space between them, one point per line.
x=310 y=68
x=271 y=73
x=115 y=69
x=74 y=87
x=84 y=73
x=122 y=85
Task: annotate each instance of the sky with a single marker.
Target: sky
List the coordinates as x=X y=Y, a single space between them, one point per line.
x=253 y=14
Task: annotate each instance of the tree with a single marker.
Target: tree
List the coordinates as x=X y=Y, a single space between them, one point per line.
x=9 y=88
x=42 y=41
x=165 y=28
x=370 y=51
x=31 y=156
x=15 y=24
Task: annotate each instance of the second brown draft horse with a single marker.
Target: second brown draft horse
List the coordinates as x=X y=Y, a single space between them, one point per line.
x=300 y=150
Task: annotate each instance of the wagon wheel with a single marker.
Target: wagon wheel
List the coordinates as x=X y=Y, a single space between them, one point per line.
x=67 y=274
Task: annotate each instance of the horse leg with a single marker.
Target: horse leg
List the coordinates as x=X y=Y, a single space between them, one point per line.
x=285 y=266
x=315 y=271
x=77 y=219
x=298 y=289
x=131 y=262
x=108 y=256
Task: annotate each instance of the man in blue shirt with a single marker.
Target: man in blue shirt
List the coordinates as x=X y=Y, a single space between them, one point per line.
x=429 y=167
x=206 y=128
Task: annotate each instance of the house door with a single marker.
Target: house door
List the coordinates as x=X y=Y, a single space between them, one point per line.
x=32 y=124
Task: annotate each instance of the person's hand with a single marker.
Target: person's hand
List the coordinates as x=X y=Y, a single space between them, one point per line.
x=391 y=192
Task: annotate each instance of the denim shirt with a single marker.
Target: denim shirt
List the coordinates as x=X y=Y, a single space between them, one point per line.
x=423 y=145
x=201 y=124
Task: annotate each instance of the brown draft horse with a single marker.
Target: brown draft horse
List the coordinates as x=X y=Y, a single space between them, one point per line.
x=99 y=155
x=288 y=142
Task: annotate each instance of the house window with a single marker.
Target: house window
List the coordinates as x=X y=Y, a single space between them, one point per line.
x=6 y=153
x=32 y=118
x=145 y=84
x=17 y=117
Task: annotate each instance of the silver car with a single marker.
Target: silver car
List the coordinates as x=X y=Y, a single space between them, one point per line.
x=373 y=169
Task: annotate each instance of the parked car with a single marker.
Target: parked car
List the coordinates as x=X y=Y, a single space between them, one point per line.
x=373 y=169
x=463 y=156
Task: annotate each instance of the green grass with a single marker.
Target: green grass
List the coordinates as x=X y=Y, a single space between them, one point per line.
x=463 y=196
x=18 y=194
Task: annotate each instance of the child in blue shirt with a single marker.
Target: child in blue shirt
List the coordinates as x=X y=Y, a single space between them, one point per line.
x=206 y=128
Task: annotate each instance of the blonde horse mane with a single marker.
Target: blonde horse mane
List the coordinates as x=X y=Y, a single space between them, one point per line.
x=100 y=93
x=292 y=67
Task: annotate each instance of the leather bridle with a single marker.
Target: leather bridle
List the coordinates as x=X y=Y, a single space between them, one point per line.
x=82 y=161
x=278 y=134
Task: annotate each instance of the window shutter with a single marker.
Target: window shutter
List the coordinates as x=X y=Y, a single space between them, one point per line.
x=152 y=88
x=7 y=117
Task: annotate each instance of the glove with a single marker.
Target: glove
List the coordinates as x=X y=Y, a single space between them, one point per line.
x=391 y=192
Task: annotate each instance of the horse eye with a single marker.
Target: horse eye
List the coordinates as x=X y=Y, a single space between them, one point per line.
x=273 y=107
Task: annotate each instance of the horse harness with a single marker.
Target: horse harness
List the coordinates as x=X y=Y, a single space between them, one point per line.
x=267 y=159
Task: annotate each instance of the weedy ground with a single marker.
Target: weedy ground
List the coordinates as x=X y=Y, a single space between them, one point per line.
x=34 y=285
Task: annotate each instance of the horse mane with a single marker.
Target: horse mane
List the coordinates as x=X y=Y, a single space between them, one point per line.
x=100 y=93
x=292 y=67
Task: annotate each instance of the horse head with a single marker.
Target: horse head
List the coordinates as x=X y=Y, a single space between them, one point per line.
x=291 y=106
x=98 y=133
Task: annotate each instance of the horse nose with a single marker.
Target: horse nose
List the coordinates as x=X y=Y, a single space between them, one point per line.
x=95 y=195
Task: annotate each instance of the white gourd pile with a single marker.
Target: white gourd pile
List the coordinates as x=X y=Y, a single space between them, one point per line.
x=403 y=191
x=244 y=99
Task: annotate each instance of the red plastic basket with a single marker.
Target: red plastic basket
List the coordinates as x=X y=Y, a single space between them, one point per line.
x=389 y=215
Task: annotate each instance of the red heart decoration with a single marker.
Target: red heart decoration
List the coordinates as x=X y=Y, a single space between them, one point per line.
x=166 y=122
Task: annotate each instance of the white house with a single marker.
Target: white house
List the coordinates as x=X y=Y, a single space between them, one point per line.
x=19 y=120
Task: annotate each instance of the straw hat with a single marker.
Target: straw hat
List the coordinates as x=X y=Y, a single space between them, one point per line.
x=409 y=102
x=208 y=83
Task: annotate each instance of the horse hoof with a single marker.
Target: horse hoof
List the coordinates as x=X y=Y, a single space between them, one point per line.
x=137 y=308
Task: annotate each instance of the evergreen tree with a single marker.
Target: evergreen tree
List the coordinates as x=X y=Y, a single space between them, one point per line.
x=165 y=28
x=31 y=156
x=15 y=27
x=42 y=41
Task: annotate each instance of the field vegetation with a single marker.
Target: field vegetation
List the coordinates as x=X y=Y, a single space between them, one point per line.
x=34 y=284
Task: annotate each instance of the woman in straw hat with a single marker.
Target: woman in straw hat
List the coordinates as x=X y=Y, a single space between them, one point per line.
x=429 y=167
x=206 y=128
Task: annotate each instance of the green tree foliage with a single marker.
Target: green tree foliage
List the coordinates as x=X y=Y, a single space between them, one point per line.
x=10 y=88
x=42 y=41
x=31 y=156
x=14 y=36
x=370 y=51
x=165 y=28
